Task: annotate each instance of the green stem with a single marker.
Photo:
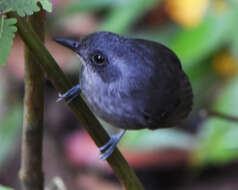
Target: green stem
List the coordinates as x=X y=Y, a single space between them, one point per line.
x=31 y=174
x=78 y=106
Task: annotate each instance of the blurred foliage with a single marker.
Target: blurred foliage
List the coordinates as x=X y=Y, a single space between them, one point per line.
x=7 y=30
x=122 y=13
x=217 y=139
x=147 y=141
x=183 y=12
x=121 y=18
x=225 y=64
x=216 y=30
x=5 y=188
x=83 y=6
x=10 y=127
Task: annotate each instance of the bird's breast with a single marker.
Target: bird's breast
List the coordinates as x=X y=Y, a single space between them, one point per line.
x=110 y=102
x=113 y=107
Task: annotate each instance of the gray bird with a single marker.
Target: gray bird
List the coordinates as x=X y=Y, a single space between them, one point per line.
x=130 y=83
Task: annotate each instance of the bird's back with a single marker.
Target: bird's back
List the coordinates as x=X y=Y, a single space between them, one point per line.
x=168 y=108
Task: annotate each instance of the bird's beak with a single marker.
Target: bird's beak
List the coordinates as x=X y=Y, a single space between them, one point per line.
x=72 y=44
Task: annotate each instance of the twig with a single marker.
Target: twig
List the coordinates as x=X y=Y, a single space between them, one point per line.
x=78 y=106
x=211 y=113
x=31 y=174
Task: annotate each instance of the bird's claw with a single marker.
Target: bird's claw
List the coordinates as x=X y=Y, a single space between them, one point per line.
x=61 y=97
x=110 y=146
x=72 y=93
x=105 y=146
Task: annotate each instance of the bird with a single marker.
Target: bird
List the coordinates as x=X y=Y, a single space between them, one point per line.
x=129 y=83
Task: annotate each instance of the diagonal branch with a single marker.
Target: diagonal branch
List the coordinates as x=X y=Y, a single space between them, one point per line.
x=78 y=106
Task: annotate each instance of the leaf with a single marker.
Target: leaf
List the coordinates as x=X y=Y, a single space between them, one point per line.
x=7 y=30
x=5 y=188
x=24 y=7
x=9 y=129
x=218 y=137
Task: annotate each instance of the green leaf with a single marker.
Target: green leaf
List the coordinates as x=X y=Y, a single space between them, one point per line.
x=24 y=7
x=7 y=30
x=9 y=129
x=218 y=137
x=5 y=188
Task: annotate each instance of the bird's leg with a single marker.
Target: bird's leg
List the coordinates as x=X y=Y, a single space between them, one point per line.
x=71 y=94
x=110 y=146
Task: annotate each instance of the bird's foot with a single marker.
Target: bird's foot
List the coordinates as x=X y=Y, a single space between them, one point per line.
x=110 y=146
x=71 y=94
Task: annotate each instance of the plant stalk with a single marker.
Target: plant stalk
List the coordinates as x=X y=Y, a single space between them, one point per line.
x=31 y=174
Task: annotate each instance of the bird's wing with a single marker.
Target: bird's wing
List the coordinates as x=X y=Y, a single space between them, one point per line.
x=170 y=90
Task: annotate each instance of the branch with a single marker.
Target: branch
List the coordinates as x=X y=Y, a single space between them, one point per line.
x=78 y=106
x=211 y=113
x=31 y=174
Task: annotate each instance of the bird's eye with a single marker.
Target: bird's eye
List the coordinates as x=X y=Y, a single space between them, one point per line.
x=75 y=45
x=98 y=58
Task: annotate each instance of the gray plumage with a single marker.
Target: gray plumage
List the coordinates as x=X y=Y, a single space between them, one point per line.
x=130 y=83
x=142 y=85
